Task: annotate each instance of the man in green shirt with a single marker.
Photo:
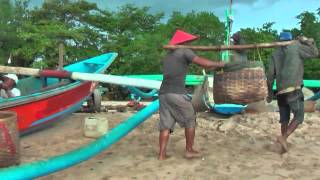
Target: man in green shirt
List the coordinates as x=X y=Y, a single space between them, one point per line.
x=286 y=67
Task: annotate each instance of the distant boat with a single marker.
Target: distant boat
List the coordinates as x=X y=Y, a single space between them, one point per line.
x=46 y=100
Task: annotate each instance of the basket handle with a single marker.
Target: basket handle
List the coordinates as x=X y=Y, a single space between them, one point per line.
x=259 y=55
x=204 y=97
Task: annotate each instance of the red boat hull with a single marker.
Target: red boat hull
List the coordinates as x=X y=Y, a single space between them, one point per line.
x=50 y=108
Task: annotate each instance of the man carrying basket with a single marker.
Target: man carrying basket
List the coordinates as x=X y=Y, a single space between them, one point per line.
x=175 y=104
x=286 y=67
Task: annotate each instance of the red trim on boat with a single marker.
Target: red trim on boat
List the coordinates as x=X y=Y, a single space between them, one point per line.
x=55 y=73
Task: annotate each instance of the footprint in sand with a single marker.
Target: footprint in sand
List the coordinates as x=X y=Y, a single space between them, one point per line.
x=274 y=147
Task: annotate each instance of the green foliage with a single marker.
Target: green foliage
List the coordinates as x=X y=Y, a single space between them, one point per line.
x=135 y=36
x=6 y=29
x=204 y=24
x=59 y=21
x=310 y=27
x=39 y=65
x=260 y=35
x=311 y=70
x=32 y=36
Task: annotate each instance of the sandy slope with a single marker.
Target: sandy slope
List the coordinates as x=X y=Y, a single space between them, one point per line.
x=240 y=147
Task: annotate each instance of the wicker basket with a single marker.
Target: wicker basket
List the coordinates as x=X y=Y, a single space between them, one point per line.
x=9 y=139
x=240 y=87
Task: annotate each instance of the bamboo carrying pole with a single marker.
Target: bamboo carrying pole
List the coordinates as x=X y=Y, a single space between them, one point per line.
x=231 y=47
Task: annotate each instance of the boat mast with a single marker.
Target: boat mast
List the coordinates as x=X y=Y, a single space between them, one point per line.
x=228 y=28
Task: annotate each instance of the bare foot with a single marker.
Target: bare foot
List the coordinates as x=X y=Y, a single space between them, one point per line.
x=192 y=154
x=283 y=142
x=163 y=157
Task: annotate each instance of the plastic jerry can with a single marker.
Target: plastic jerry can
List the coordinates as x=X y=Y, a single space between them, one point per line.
x=94 y=127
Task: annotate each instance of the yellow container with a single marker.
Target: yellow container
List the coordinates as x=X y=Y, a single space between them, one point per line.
x=95 y=127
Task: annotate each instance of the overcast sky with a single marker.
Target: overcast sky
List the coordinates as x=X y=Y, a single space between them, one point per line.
x=247 y=13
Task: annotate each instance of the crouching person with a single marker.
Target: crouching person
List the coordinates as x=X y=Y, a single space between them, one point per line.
x=8 y=86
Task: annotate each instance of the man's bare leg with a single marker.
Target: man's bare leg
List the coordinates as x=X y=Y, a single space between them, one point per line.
x=286 y=131
x=284 y=128
x=190 y=152
x=282 y=139
x=163 y=141
x=294 y=124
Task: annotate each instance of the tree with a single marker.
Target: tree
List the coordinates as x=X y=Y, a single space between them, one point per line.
x=32 y=35
x=260 y=35
x=204 y=24
x=310 y=27
x=59 y=21
x=134 y=35
x=8 y=38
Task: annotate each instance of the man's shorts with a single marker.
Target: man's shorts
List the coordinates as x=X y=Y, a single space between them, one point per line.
x=176 y=108
x=291 y=102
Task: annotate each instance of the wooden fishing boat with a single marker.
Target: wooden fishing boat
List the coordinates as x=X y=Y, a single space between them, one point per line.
x=45 y=100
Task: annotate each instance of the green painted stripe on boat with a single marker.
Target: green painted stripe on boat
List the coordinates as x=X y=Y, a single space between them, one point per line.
x=306 y=83
x=190 y=79
x=197 y=79
x=311 y=83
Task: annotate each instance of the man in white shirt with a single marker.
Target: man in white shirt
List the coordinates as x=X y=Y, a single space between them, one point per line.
x=7 y=86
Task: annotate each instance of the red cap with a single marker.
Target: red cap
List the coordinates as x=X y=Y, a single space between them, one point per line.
x=181 y=37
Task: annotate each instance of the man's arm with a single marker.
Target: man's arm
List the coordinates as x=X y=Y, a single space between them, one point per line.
x=307 y=48
x=208 y=64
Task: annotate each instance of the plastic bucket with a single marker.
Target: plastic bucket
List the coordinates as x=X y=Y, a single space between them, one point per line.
x=94 y=127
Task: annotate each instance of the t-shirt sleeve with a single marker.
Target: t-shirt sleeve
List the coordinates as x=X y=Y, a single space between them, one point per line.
x=189 y=55
x=307 y=51
x=16 y=92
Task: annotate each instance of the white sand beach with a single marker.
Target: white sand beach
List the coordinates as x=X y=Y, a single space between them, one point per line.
x=240 y=147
